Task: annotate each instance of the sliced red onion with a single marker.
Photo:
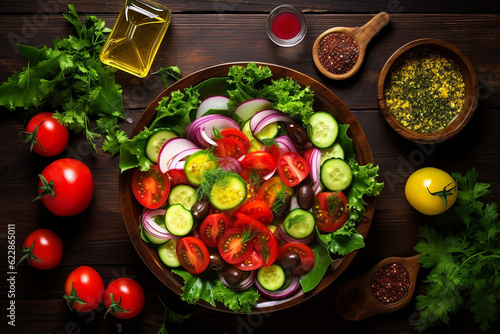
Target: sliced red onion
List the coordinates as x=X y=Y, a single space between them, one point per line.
x=269 y=120
x=170 y=149
x=293 y=203
x=278 y=294
x=207 y=138
x=286 y=144
x=245 y=284
x=281 y=234
x=208 y=122
x=182 y=156
x=249 y=108
x=314 y=164
x=317 y=187
x=217 y=102
x=261 y=115
x=230 y=163
x=151 y=227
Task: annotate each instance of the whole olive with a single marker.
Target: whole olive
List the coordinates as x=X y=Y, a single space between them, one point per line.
x=305 y=196
x=297 y=134
x=289 y=260
x=233 y=275
x=216 y=262
x=200 y=209
x=283 y=210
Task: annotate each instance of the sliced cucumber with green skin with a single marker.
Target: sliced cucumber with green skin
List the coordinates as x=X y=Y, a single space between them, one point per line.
x=155 y=240
x=183 y=194
x=299 y=223
x=196 y=164
x=334 y=151
x=167 y=254
x=271 y=278
x=156 y=142
x=322 y=129
x=336 y=174
x=178 y=220
x=255 y=145
x=269 y=131
x=228 y=193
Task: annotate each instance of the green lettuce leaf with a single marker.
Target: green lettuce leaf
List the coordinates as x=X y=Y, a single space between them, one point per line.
x=322 y=261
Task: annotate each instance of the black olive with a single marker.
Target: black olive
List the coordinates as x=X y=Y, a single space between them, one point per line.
x=216 y=262
x=233 y=275
x=200 y=209
x=305 y=196
x=297 y=134
x=289 y=260
x=283 y=210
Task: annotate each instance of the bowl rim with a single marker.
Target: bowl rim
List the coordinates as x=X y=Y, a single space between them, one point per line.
x=471 y=90
x=129 y=204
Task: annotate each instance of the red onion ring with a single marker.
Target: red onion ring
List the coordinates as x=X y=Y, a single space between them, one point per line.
x=170 y=149
x=182 y=156
x=281 y=235
x=255 y=120
x=278 y=294
x=273 y=118
x=151 y=227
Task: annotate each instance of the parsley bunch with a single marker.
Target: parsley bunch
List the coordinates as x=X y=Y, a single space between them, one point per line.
x=71 y=80
x=462 y=251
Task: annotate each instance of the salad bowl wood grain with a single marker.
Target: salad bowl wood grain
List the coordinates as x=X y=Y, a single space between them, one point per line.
x=325 y=100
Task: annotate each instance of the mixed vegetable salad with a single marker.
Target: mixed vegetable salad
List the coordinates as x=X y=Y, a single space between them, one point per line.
x=247 y=190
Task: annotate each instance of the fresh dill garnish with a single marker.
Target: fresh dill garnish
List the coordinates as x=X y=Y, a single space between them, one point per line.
x=268 y=142
x=254 y=178
x=216 y=133
x=295 y=219
x=279 y=200
x=211 y=177
x=247 y=234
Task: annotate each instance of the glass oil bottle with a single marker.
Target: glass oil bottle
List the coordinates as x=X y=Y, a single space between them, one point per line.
x=136 y=36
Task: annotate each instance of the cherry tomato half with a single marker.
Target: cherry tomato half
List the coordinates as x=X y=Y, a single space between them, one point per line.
x=177 y=176
x=305 y=253
x=260 y=161
x=84 y=289
x=72 y=189
x=151 y=188
x=124 y=298
x=292 y=168
x=258 y=210
x=229 y=147
x=269 y=190
x=252 y=262
x=46 y=136
x=330 y=210
x=43 y=249
x=213 y=228
x=233 y=246
x=238 y=135
x=192 y=254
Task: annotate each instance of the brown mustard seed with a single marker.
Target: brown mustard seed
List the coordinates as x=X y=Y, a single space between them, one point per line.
x=391 y=283
x=338 y=53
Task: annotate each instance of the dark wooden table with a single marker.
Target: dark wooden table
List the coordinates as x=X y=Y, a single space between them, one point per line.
x=205 y=33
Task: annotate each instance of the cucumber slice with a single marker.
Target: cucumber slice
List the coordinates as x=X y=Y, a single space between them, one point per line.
x=322 y=129
x=154 y=240
x=178 y=220
x=334 y=151
x=269 y=131
x=182 y=194
x=228 y=193
x=156 y=142
x=336 y=174
x=271 y=278
x=299 y=223
x=198 y=163
x=167 y=254
x=255 y=145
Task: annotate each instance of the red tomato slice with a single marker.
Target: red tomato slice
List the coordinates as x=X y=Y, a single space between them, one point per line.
x=260 y=161
x=269 y=190
x=238 y=135
x=177 y=176
x=232 y=247
x=292 y=168
x=330 y=210
x=192 y=254
x=305 y=253
x=259 y=210
x=252 y=262
x=151 y=188
x=274 y=151
x=213 y=228
x=229 y=147
x=252 y=185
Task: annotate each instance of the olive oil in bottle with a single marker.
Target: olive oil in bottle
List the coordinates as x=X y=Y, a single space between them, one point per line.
x=136 y=36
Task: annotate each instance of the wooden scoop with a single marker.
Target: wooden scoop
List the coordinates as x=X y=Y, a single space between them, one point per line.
x=356 y=300
x=361 y=35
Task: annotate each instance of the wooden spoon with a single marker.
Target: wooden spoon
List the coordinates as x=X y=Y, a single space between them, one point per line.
x=356 y=300
x=361 y=35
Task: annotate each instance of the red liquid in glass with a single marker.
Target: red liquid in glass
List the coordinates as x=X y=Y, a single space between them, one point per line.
x=286 y=25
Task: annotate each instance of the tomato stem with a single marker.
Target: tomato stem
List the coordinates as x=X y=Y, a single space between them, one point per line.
x=28 y=254
x=30 y=138
x=115 y=307
x=47 y=188
x=73 y=298
x=443 y=194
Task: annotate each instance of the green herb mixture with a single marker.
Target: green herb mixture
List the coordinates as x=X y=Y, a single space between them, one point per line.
x=243 y=83
x=462 y=253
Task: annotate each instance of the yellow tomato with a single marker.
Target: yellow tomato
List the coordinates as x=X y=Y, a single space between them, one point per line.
x=431 y=191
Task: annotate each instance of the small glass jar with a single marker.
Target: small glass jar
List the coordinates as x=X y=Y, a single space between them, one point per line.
x=286 y=26
x=136 y=36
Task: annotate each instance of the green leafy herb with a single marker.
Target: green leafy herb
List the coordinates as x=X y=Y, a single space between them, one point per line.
x=247 y=235
x=279 y=201
x=70 y=79
x=211 y=177
x=462 y=252
x=322 y=261
x=171 y=316
x=295 y=219
x=167 y=72
x=216 y=133
x=268 y=142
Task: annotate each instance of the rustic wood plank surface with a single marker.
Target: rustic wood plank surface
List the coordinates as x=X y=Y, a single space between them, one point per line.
x=206 y=33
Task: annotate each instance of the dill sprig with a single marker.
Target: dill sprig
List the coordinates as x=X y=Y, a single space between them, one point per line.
x=211 y=177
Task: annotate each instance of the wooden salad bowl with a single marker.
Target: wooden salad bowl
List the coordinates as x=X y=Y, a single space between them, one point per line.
x=325 y=100
x=471 y=90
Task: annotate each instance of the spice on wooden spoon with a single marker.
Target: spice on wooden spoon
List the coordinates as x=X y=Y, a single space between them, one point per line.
x=339 y=52
x=387 y=287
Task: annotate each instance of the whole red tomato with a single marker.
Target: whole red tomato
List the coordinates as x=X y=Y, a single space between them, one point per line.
x=124 y=298
x=66 y=187
x=43 y=249
x=46 y=135
x=84 y=289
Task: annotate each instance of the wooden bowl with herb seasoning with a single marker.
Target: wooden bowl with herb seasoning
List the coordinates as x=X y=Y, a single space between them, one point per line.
x=428 y=90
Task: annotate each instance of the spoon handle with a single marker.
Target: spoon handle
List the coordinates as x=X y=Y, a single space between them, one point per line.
x=366 y=32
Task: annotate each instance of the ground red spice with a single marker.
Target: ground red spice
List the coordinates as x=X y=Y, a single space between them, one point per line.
x=338 y=53
x=391 y=283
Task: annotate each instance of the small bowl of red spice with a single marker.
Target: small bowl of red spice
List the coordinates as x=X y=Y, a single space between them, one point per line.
x=428 y=91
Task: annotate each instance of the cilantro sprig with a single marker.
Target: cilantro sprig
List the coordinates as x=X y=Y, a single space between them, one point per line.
x=461 y=250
